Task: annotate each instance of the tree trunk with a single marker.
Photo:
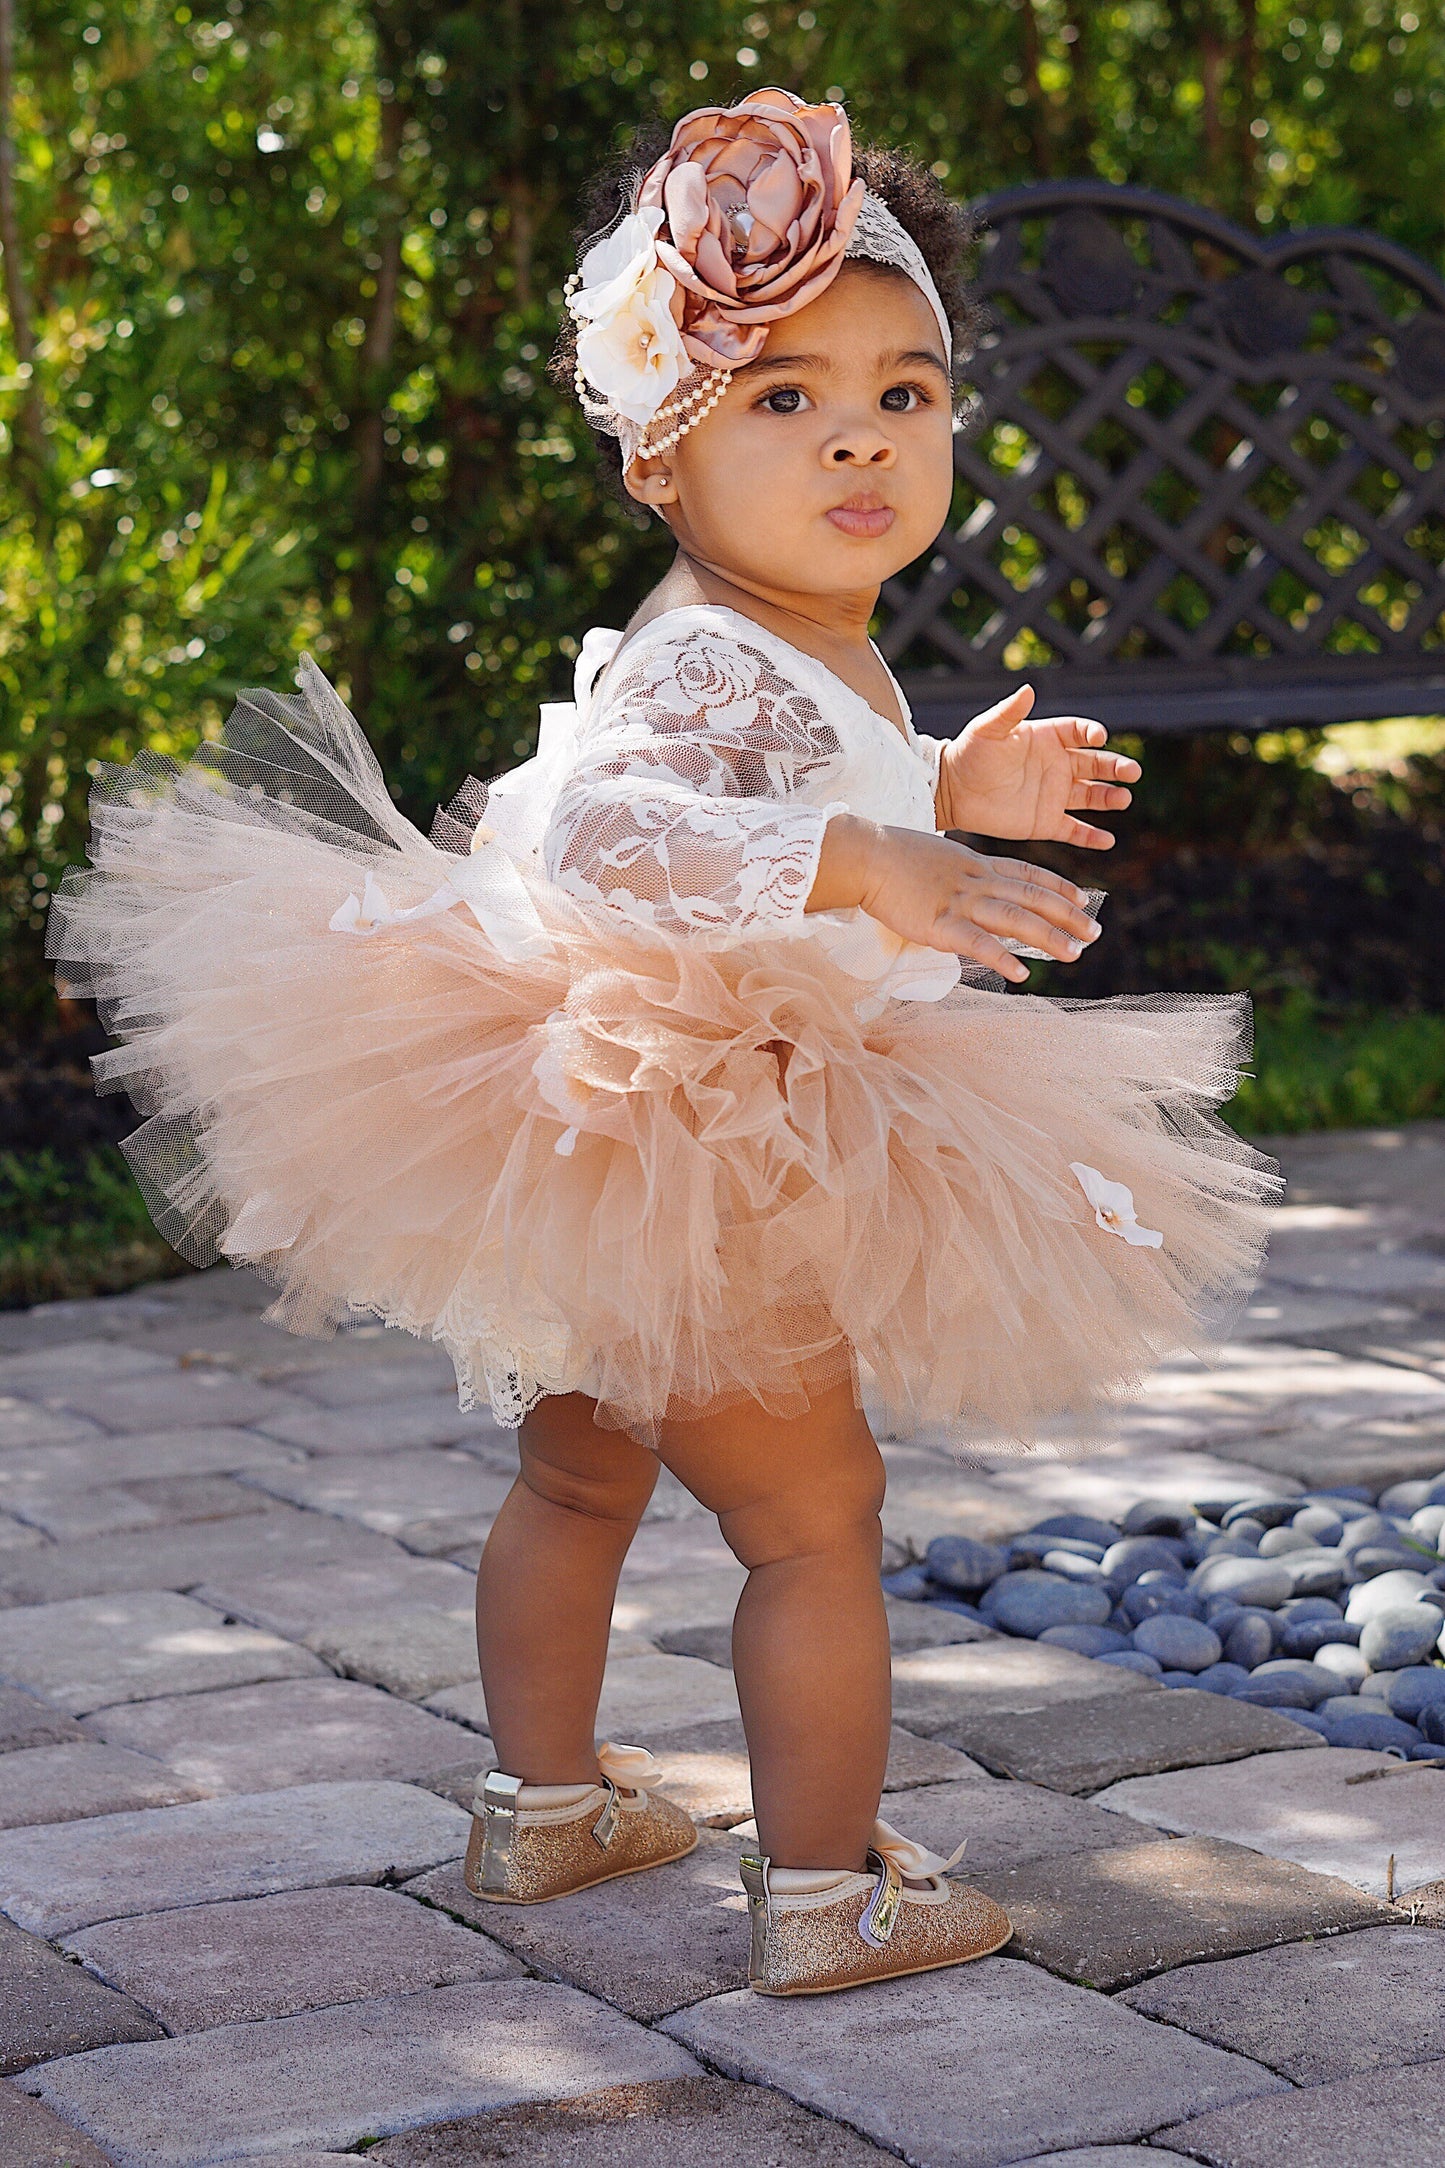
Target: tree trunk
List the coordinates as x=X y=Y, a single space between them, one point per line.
x=1245 y=65
x=29 y=438
x=1040 y=128
x=376 y=358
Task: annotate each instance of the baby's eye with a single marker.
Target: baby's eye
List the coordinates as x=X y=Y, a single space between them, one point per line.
x=903 y=398
x=787 y=399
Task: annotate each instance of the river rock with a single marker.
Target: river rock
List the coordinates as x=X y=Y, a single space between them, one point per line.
x=1158 y=1517
x=1262 y=1581
x=1435 y=1495
x=1405 y=1498
x=1428 y=1526
x=1025 y=1603
x=1221 y=1678
x=1411 y=1691
x=1322 y=1523
x=1317 y=1573
x=1307 y=1636
x=1179 y=1644
x=1343 y=1661
x=1071 y=1567
x=1393 y=1639
x=1090 y=1640
x=1148 y=1667
x=1373 y=1559
x=1132 y=1556
x=1388 y=1592
x=1315 y=1684
x=1281 y=1542
x=1250 y=1641
x=1079 y=1527
x=961 y=1563
x=1269 y=1512
x=1432 y=1722
x=1360 y=1727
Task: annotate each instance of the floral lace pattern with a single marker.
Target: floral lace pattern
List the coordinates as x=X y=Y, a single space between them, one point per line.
x=682 y=806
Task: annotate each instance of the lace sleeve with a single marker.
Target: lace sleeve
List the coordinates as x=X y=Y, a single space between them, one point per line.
x=930 y=752
x=680 y=809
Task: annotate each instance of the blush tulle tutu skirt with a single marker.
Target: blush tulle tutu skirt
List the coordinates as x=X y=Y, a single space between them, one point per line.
x=409 y=1078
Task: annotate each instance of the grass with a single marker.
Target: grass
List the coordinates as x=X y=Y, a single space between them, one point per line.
x=1313 y=1070
x=72 y=1227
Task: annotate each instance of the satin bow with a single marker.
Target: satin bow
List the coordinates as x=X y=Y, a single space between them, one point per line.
x=487 y=882
x=913 y=1861
x=630 y=1768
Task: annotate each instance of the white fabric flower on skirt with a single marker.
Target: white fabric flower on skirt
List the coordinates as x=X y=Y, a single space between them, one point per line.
x=629 y=347
x=1113 y=1204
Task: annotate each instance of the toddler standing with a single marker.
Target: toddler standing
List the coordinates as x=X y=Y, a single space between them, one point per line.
x=669 y=1084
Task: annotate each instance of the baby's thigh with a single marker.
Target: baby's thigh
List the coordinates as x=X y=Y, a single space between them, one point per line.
x=783 y=1486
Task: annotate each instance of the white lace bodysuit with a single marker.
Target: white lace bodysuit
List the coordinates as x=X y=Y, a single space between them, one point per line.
x=692 y=788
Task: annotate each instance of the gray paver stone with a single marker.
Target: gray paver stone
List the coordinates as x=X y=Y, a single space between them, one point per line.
x=31 y=2137
x=705 y=1768
x=22 y=1423
x=686 y=2122
x=16 y=1536
x=1107 y=2156
x=647 y=1943
x=1082 y=1746
x=88 y=1466
x=389 y=1492
x=411 y=1653
x=26 y=1722
x=277 y=1540
x=390 y=1426
x=91 y=1651
x=643 y=1695
x=659 y=1603
x=933 y=1687
x=73 y=1874
x=158 y=1501
x=69 y=1783
x=408 y=1371
x=301 y=1731
x=268 y=1957
x=1376 y=1454
x=1316 y=2011
x=50 y=2008
x=990 y=2067
x=1005 y=1824
x=1392 y=2119
x=173 y=1399
x=1302 y=1807
x=45 y=1371
x=1108 y=1918
x=332 y=2077
x=294 y=1603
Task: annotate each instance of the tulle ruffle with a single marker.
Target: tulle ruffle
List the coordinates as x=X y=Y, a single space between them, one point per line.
x=584 y=1155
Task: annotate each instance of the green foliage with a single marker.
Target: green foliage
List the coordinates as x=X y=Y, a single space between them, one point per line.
x=1317 y=1071
x=69 y=1229
x=294 y=272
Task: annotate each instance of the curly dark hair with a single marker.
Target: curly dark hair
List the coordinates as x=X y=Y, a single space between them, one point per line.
x=944 y=231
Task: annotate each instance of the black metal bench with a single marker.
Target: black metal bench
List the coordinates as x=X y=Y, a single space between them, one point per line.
x=1207 y=483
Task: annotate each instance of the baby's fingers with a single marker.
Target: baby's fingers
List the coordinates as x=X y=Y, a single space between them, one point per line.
x=1039 y=904
x=966 y=938
x=1030 y=929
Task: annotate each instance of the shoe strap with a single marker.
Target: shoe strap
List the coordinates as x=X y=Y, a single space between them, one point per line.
x=498 y=1802
x=753 y=1868
x=914 y=1861
x=880 y=1914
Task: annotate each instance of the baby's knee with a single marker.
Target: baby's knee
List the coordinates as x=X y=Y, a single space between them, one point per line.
x=584 y=1470
x=798 y=1520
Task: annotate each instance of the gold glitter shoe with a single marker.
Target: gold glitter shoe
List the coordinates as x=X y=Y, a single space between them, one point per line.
x=530 y=1842
x=814 y=1933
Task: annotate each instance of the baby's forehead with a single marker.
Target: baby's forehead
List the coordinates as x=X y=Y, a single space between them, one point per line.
x=870 y=313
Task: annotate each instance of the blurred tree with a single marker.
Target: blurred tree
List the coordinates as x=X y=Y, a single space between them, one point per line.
x=280 y=283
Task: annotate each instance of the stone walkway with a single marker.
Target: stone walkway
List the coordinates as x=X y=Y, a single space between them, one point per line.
x=241 y=1719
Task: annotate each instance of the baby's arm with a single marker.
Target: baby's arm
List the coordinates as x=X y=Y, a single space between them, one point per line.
x=679 y=810
x=945 y=896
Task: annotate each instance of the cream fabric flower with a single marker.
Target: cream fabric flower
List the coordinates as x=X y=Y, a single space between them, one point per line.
x=1113 y=1204
x=628 y=345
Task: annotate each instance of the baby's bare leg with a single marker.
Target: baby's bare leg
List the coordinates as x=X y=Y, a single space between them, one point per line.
x=546 y=1585
x=798 y=1502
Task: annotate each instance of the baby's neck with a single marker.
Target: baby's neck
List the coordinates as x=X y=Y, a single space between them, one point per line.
x=821 y=625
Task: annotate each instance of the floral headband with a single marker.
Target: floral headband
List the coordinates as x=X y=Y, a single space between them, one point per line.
x=746 y=218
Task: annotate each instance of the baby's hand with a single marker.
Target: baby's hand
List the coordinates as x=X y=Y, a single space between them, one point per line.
x=1010 y=775
x=945 y=896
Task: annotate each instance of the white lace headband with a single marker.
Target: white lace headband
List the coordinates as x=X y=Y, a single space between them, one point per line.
x=638 y=376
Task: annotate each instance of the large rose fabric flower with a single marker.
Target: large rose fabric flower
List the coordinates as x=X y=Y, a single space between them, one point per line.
x=760 y=204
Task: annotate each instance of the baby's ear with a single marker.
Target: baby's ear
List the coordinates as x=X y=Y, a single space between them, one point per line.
x=650 y=482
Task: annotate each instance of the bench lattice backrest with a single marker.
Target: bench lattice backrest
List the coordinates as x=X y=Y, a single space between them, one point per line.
x=1206 y=484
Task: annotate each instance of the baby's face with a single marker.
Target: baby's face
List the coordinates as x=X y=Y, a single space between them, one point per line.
x=828 y=464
